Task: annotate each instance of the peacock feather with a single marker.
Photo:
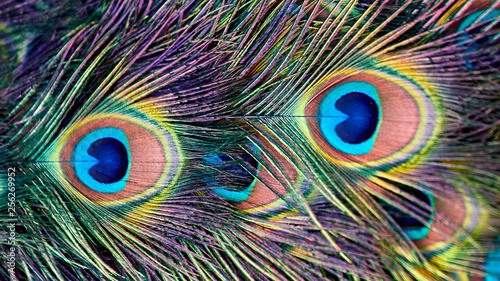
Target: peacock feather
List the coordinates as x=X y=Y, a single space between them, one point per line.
x=250 y=140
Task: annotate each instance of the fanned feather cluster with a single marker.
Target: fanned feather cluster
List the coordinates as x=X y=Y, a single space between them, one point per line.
x=250 y=140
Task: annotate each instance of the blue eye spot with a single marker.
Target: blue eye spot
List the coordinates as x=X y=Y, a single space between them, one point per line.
x=412 y=227
x=492 y=263
x=102 y=160
x=478 y=33
x=231 y=173
x=349 y=117
x=113 y=160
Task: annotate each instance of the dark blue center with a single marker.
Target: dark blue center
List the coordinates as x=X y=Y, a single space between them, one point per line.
x=113 y=160
x=406 y=220
x=241 y=176
x=363 y=117
x=412 y=226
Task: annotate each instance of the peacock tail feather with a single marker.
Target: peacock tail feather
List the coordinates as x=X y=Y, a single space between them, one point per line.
x=250 y=140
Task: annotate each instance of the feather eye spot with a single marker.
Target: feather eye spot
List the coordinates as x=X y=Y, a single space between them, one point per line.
x=412 y=224
x=115 y=157
x=255 y=185
x=233 y=172
x=367 y=117
x=349 y=116
x=101 y=160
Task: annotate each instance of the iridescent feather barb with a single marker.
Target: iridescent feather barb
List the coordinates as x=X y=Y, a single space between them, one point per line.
x=251 y=140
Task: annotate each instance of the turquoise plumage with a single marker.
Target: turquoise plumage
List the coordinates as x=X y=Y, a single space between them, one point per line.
x=250 y=140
